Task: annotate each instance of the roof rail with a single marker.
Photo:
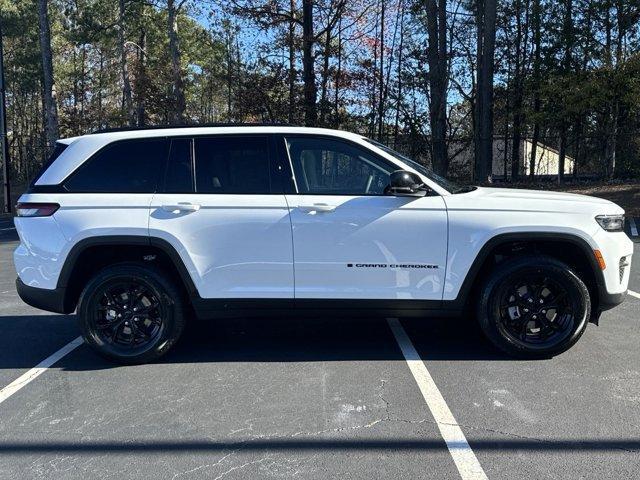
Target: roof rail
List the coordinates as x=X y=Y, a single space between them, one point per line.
x=160 y=127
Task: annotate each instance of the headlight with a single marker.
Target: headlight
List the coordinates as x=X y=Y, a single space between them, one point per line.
x=611 y=223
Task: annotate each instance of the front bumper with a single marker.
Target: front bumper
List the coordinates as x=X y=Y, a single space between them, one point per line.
x=42 y=298
x=610 y=300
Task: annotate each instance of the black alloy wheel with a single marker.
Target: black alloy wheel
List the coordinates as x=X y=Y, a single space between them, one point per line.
x=127 y=314
x=533 y=306
x=536 y=309
x=131 y=313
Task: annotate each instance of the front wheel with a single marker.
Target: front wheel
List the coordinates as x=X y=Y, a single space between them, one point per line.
x=534 y=307
x=131 y=314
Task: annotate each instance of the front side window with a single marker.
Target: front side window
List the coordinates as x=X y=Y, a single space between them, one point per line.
x=441 y=181
x=334 y=167
x=131 y=166
x=232 y=164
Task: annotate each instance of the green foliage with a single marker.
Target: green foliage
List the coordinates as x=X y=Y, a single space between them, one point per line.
x=235 y=67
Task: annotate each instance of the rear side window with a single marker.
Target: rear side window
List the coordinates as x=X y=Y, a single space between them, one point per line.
x=179 y=175
x=232 y=164
x=132 y=166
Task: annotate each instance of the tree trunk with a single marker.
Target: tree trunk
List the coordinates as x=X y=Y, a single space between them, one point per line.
x=612 y=143
x=562 y=152
x=336 y=98
x=437 y=58
x=518 y=94
x=484 y=95
x=124 y=71
x=292 y=62
x=141 y=80
x=568 y=46
x=229 y=76
x=308 y=71
x=324 y=81
x=537 y=104
x=177 y=112
x=49 y=88
x=396 y=123
x=381 y=75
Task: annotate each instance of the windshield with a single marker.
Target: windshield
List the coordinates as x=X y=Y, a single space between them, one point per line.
x=448 y=185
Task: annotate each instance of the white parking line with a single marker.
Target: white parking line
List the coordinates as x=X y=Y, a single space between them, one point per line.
x=38 y=370
x=468 y=465
x=632 y=224
x=633 y=294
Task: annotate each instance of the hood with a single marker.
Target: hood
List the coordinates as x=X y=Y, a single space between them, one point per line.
x=539 y=200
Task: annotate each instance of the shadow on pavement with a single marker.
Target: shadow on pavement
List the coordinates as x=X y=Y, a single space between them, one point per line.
x=407 y=444
x=7 y=236
x=29 y=339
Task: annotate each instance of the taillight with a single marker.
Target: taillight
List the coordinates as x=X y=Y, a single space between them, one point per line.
x=36 y=209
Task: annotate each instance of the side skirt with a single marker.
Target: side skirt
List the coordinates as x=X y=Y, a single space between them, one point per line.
x=231 y=308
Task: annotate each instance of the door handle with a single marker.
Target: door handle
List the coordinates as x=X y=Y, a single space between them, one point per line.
x=317 y=207
x=181 y=207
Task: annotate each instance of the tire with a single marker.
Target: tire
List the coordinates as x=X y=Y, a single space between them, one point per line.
x=131 y=314
x=516 y=307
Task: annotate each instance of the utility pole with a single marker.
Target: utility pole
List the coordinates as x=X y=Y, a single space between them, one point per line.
x=4 y=143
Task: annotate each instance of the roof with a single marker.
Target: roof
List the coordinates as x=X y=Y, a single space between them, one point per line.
x=211 y=125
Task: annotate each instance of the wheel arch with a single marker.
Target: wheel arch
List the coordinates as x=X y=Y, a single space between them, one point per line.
x=92 y=254
x=507 y=245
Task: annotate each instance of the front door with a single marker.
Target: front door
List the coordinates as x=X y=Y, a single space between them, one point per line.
x=218 y=211
x=350 y=240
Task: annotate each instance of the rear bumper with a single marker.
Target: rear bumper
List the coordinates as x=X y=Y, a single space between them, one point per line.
x=42 y=298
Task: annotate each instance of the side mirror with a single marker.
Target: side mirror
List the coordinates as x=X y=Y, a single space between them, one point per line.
x=405 y=184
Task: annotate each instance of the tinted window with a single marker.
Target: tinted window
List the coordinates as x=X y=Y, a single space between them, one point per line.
x=327 y=166
x=123 y=167
x=226 y=164
x=179 y=175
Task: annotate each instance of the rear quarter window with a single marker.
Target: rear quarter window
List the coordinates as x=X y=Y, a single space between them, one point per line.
x=57 y=151
x=131 y=166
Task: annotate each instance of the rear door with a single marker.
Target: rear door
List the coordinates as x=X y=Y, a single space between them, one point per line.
x=351 y=241
x=221 y=208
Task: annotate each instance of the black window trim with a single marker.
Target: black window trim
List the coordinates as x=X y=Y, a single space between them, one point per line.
x=283 y=138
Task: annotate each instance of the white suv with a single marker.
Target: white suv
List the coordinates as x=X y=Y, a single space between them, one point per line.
x=138 y=229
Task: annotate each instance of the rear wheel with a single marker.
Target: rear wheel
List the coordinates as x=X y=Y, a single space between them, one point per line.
x=534 y=307
x=131 y=314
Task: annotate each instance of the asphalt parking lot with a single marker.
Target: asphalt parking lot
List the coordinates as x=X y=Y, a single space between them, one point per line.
x=324 y=398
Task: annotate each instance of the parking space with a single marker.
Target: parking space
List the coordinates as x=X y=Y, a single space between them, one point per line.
x=325 y=398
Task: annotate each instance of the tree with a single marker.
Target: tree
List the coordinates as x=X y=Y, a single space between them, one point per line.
x=177 y=112
x=537 y=103
x=522 y=28
x=49 y=89
x=438 y=80
x=124 y=70
x=483 y=131
x=292 y=60
x=567 y=27
x=308 y=67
